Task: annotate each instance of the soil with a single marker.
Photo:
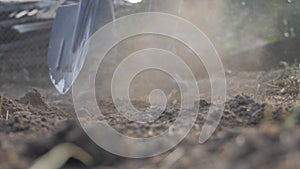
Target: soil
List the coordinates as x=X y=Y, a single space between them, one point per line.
x=256 y=130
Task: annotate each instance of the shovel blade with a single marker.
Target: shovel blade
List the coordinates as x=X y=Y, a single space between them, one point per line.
x=72 y=27
x=61 y=59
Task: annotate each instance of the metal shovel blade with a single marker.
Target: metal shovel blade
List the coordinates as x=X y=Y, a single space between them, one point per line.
x=60 y=58
x=72 y=27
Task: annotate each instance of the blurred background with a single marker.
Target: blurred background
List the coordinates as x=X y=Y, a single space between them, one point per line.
x=248 y=34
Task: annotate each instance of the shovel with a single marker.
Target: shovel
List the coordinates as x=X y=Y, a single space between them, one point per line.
x=73 y=26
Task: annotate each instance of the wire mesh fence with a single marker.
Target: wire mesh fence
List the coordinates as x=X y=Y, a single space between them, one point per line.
x=24 y=39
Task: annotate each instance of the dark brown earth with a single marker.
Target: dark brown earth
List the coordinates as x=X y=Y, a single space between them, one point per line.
x=259 y=129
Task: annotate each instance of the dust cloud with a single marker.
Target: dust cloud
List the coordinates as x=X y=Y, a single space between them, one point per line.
x=230 y=25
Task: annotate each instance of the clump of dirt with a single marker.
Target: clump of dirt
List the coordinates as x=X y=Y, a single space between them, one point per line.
x=34 y=98
x=242 y=110
x=28 y=114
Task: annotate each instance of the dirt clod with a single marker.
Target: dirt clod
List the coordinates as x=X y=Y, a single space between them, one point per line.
x=34 y=98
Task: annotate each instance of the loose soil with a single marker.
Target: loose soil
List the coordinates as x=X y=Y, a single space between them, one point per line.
x=256 y=129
